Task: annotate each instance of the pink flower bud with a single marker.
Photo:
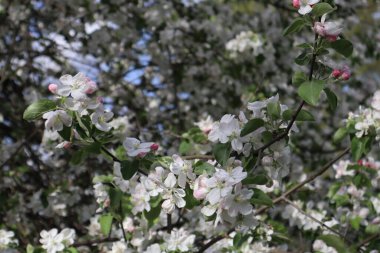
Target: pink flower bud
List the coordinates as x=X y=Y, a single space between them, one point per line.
x=154 y=147
x=200 y=187
x=319 y=28
x=346 y=75
x=67 y=145
x=141 y=155
x=53 y=88
x=331 y=38
x=296 y=4
x=91 y=87
x=336 y=73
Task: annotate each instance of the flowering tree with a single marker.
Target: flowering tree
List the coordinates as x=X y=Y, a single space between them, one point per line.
x=143 y=168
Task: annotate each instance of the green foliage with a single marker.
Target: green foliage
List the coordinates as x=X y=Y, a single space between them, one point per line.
x=342 y=46
x=296 y=26
x=340 y=134
x=129 y=168
x=222 y=152
x=106 y=223
x=261 y=198
x=201 y=167
x=321 y=8
x=274 y=110
x=311 y=91
x=335 y=242
x=299 y=78
x=303 y=115
x=259 y=179
x=251 y=126
x=38 y=108
x=332 y=99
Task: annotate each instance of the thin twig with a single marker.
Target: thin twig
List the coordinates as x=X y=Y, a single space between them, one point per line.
x=201 y=157
x=89 y=243
x=311 y=217
x=365 y=241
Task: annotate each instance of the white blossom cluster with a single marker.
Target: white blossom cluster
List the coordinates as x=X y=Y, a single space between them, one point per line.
x=245 y=42
x=366 y=121
x=7 y=239
x=53 y=242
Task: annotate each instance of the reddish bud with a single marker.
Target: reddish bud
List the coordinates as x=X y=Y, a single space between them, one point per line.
x=336 y=73
x=154 y=147
x=331 y=38
x=53 y=88
x=346 y=75
x=142 y=154
x=296 y=4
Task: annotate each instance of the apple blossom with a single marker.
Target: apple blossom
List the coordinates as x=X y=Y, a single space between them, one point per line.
x=77 y=86
x=329 y=30
x=55 y=120
x=305 y=6
x=101 y=118
x=135 y=147
x=7 y=238
x=183 y=169
x=173 y=196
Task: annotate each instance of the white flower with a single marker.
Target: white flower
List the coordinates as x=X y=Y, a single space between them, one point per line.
x=200 y=187
x=305 y=6
x=173 y=196
x=205 y=124
x=246 y=41
x=140 y=199
x=101 y=194
x=56 y=119
x=182 y=169
x=118 y=178
x=221 y=131
x=77 y=86
x=376 y=101
x=179 y=240
x=94 y=227
x=135 y=147
x=257 y=106
x=68 y=235
x=6 y=238
x=239 y=202
x=51 y=241
x=154 y=248
x=376 y=204
x=82 y=105
x=100 y=119
x=341 y=169
x=321 y=246
x=119 y=247
x=154 y=182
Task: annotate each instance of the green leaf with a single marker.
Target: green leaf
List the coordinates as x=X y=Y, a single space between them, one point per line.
x=65 y=133
x=334 y=241
x=184 y=147
x=203 y=167
x=222 y=152
x=372 y=229
x=331 y=98
x=153 y=213
x=251 y=126
x=274 y=110
x=115 y=198
x=261 y=198
x=357 y=148
x=129 y=168
x=299 y=78
x=321 y=8
x=361 y=180
x=355 y=222
x=340 y=134
x=71 y=250
x=303 y=115
x=38 y=108
x=105 y=223
x=296 y=26
x=342 y=46
x=239 y=239
x=191 y=202
x=303 y=59
x=311 y=91
x=259 y=179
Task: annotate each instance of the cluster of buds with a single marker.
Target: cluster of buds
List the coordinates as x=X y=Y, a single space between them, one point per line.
x=343 y=74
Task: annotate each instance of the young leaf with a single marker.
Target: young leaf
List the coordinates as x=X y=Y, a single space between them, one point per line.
x=342 y=46
x=261 y=198
x=38 y=108
x=331 y=98
x=311 y=91
x=129 y=168
x=259 y=179
x=222 y=152
x=334 y=241
x=339 y=135
x=303 y=59
x=357 y=148
x=105 y=223
x=251 y=126
x=203 y=167
x=153 y=213
x=299 y=78
x=321 y=8
x=296 y=26
x=274 y=110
